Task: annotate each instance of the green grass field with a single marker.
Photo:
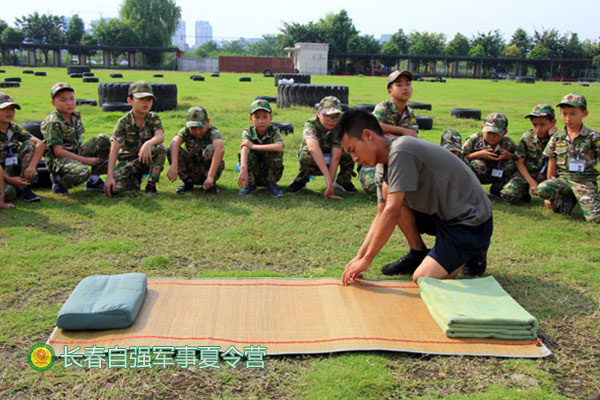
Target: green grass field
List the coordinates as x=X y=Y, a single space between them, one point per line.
x=549 y=263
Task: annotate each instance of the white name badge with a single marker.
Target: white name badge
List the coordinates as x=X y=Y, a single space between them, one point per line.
x=497 y=172
x=11 y=160
x=576 y=165
x=327 y=158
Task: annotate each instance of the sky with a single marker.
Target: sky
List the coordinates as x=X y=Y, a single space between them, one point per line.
x=232 y=19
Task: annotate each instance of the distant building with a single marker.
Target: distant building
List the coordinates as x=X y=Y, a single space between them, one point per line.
x=178 y=38
x=203 y=33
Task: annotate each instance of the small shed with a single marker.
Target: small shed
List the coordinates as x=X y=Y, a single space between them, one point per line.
x=310 y=58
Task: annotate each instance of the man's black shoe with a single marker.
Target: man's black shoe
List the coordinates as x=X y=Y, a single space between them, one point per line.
x=564 y=205
x=28 y=195
x=526 y=198
x=184 y=188
x=347 y=187
x=295 y=187
x=495 y=193
x=57 y=186
x=151 y=188
x=476 y=267
x=407 y=264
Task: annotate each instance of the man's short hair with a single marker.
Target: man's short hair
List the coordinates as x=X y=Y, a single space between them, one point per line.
x=354 y=121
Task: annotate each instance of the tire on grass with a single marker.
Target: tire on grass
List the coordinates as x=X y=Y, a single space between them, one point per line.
x=43 y=176
x=284 y=127
x=466 y=113
x=77 y=68
x=365 y=107
x=87 y=102
x=419 y=106
x=87 y=73
x=425 y=123
x=76 y=75
x=215 y=75
x=91 y=79
x=270 y=99
x=33 y=127
x=28 y=71
x=40 y=73
x=107 y=107
x=158 y=76
x=10 y=84
x=245 y=79
x=116 y=75
x=12 y=79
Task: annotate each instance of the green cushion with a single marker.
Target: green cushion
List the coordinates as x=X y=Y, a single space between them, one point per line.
x=103 y=302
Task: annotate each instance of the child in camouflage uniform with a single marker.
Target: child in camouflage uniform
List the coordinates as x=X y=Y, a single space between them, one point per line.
x=67 y=157
x=137 y=144
x=394 y=116
x=261 y=154
x=320 y=153
x=20 y=153
x=490 y=153
x=573 y=154
x=452 y=141
x=200 y=162
x=532 y=165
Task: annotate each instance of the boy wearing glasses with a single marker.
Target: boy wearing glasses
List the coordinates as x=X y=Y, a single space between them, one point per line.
x=320 y=153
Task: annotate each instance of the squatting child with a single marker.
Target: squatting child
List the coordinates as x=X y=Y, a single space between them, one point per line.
x=394 y=116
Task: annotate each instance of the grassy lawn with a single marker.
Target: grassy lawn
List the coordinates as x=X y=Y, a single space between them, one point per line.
x=547 y=262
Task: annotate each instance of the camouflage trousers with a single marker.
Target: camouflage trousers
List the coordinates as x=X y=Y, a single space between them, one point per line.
x=585 y=191
x=24 y=157
x=483 y=170
x=366 y=177
x=264 y=167
x=308 y=167
x=129 y=173
x=517 y=187
x=194 y=167
x=72 y=172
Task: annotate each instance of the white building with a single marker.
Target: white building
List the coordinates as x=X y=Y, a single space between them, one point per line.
x=203 y=33
x=178 y=38
x=310 y=58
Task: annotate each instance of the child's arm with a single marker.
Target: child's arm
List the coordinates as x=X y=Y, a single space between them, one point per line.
x=60 y=151
x=525 y=173
x=2 y=203
x=174 y=149
x=277 y=146
x=551 y=168
x=109 y=185
x=145 y=153
x=243 y=177
x=214 y=164
x=397 y=130
x=317 y=154
x=40 y=147
x=336 y=154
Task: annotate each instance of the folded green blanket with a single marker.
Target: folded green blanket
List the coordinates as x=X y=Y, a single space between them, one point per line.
x=476 y=308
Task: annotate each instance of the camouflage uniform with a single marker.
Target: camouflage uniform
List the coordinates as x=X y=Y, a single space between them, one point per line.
x=129 y=170
x=366 y=176
x=195 y=156
x=452 y=141
x=58 y=131
x=495 y=123
x=313 y=129
x=263 y=166
x=583 y=185
x=18 y=144
x=386 y=112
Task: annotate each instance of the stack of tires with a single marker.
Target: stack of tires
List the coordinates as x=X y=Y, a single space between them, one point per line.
x=113 y=96
x=298 y=78
x=77 y=69
x=302 y=94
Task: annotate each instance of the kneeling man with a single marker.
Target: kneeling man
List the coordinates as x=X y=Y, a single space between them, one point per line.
x=421 y=188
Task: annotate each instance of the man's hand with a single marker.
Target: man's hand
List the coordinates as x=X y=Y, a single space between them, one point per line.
x=172 y=173
x=354 y=269
x=208 y=182
x=109 y=186
x=30 y=172
x=145 y=153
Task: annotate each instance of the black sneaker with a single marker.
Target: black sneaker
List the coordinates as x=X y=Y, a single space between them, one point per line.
x=564 y=205
x=28 y=195
x=57 y=186
x=526 y=198
x=476 y=267
x=214 y=189
x=295 y=187
x=407 y=264
x=495 y=193
x=274 y=190
x=95 y=184
x=151 y=188
x=184 y=188
x=347 y=187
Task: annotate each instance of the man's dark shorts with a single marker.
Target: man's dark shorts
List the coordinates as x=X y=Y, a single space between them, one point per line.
x=454 y=244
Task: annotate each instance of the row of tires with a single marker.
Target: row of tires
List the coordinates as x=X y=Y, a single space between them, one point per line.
x=298 y=78
x=32 y=72
x=113 y=96
x=302 y=94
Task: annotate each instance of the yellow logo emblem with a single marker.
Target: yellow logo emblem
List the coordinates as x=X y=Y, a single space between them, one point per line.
x=41 y=357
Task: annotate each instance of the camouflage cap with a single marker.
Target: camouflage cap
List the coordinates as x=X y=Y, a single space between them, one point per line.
x=541 y=110
x=59 y=87
x=260 y=105
x=451 y=140
x=573 y=100
x=196 y=117
x=397 y=74
x=141 y=89
x=7 y=101
x=330 y=105
x=496 y=123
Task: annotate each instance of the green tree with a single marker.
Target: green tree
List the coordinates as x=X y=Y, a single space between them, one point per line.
x=237 y=47
x=477 y=51
x=12 y=35
x=74 y=30
x=512 y=51
x=115 y=32
x=295 y=33
x=522 y=40
x=88 y=40
x=552 y=41
x=338 y=29
x=426 y=44
x=398 y=44
x=208 y=49
x=590 y=49
x=45 y=29
x=458 y=46
x=538 y=51
x=363 y=44
x=268 y=46
x=492 y=43
x=572 y=46
x=3 y=26
x=596 y=61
